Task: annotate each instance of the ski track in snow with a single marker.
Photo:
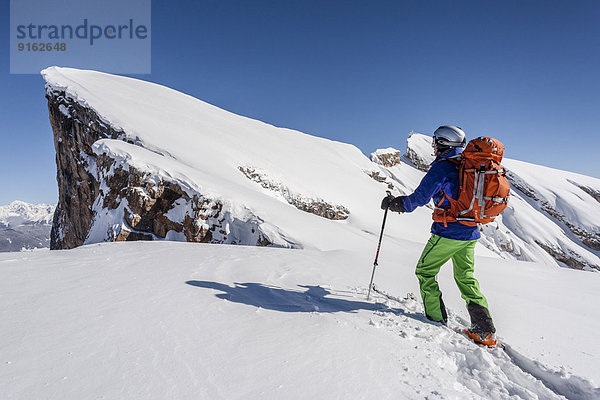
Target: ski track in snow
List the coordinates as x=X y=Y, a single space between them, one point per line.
x=496 y=373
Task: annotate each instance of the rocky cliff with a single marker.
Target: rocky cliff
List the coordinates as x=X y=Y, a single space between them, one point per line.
x=93 y=183
x=75 y=129
x=178 y=170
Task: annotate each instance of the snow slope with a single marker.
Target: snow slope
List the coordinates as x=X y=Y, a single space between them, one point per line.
x=167 y=320
x=569 y=201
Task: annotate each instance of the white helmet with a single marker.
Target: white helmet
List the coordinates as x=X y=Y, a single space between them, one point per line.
x=449 y=136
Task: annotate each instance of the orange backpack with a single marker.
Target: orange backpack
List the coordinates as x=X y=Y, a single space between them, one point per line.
x=484 y=189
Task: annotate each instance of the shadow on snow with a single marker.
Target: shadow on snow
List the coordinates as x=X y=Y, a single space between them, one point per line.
x=313 y=299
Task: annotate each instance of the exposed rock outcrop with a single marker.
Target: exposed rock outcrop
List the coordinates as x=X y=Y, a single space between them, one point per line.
x=94 y=188
x=571 y=259
x=590 y=239
x=519 y=184
x=313 y=206
x=592 y=192
x=158 y=209
x=419 y=151
x=75 y=129
x=376 y=175
x=386 y=157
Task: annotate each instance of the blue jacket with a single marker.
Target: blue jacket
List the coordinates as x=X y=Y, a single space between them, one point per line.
x=442 y=175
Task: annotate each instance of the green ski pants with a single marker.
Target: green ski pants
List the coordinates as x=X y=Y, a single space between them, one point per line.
x=436 y=253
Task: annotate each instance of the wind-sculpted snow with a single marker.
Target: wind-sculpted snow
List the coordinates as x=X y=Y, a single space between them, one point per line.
x=185 y=321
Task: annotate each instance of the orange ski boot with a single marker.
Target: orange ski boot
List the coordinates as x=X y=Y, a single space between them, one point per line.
x=487 y=339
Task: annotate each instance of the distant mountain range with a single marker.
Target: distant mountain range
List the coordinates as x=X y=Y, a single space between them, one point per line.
x=25 y=226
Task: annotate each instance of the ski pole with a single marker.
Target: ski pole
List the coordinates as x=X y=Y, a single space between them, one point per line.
x=378 y=247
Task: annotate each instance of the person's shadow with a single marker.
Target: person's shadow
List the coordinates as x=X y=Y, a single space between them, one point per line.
x=313 y=299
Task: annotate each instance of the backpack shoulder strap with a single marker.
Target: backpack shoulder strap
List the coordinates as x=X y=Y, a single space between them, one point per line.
x=454 y=160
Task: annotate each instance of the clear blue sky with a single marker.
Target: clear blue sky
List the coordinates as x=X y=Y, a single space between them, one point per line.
x=361 y=72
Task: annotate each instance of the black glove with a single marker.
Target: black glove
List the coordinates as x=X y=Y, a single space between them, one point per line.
x=385 y=203
x=397 y=204
x=393 y=203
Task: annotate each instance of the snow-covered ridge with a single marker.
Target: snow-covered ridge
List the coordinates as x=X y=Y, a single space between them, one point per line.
x=206 y=174
x=201 y=148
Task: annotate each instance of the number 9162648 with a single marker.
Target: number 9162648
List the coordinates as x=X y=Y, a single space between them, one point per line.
x=42 y=46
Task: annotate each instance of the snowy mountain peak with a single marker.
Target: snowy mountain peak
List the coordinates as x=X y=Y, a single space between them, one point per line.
x=19 y=213
x=25 y=226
